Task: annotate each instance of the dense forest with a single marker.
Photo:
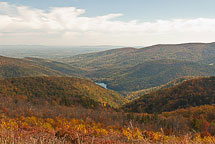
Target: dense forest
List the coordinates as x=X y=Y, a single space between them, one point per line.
x=127 y=57
x=66 y=91
x=194 y=92
x=13 y=67
x=132 y=69
x=151 y=74
x=121 y=79
x=136 y=94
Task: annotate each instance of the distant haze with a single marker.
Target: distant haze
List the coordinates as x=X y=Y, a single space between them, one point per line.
x=49 y=52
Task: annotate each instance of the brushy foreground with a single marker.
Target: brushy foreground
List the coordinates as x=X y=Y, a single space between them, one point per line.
x=33 y=130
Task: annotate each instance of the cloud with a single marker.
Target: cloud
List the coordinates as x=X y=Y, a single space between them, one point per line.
x=67 y=25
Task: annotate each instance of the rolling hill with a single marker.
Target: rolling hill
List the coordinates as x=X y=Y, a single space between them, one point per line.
x=136 y=94
x=13 y=67
x=66 y=91
x=101 y=60
x=128 y=57
x=195 y=92
x=63 y=68
x=132 y=69
x=150 y=74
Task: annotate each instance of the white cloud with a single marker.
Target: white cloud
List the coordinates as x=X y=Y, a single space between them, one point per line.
x=67 y=26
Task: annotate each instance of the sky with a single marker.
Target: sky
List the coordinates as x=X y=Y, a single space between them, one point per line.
x=106 y=22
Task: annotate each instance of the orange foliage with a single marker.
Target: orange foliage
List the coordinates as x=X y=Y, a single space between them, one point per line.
x=60 y=130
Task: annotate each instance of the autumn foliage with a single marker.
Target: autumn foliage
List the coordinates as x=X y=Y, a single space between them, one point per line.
x=60 y=130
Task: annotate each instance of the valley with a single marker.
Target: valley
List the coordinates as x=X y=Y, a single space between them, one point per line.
x=150 y=94
x=107 y=72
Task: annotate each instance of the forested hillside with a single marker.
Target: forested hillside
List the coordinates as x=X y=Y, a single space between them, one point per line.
x=134 y=78
x=195 y=92
x=12 y=67
x=136 y=94
x=67 y=91
x=132 y=69
x=52 y=109
x=127 y=57
x=150 y=74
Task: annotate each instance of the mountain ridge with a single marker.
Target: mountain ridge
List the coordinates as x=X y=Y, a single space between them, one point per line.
x=195 y=52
